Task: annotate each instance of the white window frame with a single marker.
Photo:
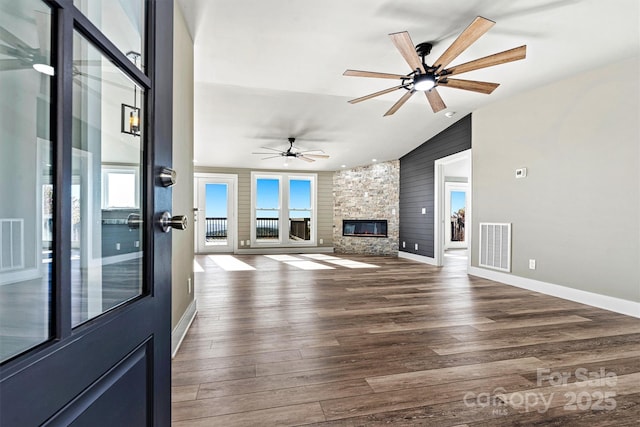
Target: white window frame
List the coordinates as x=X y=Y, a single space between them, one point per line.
x=120 y=169
x=283 y=224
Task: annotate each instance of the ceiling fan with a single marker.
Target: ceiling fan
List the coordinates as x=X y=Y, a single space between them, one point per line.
x=307 y=156
x=21 y=54
x=427 y=78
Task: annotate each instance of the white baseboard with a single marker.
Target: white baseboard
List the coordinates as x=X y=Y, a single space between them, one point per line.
x=618 y=305
x=419 y=258
x=121 y=258
x=13 y=277
x=180 y=331
x=288 y=250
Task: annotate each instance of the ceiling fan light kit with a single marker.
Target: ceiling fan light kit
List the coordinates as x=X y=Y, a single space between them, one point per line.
x=424 y=81
x=44 y=69
x=427 y=79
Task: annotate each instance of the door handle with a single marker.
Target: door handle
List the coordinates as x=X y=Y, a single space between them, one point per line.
x=167 y=222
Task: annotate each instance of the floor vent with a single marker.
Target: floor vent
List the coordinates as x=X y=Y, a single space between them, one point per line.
x=11 y=244
x=495 y=246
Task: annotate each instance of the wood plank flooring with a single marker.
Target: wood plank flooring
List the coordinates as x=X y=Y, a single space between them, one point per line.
x=402 y=344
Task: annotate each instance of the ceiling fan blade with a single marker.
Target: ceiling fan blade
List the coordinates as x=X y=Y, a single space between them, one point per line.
x=12 y=40
x=358 y=73
x=435 y=100
x=407 y=49
x=272 y=149
x=265 y=158
x=87 y=62
x=514 y=54
x=13 y=64
x=317 y=156
x=477 y=28
x=306 y=159
x=373 y=95
x=43 y=21
x=7 y=50
x=101 y=80
x=400 y=103
x=256 y=152
x=472 y=85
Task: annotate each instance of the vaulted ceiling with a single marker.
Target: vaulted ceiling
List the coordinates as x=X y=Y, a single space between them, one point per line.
x=269 y=70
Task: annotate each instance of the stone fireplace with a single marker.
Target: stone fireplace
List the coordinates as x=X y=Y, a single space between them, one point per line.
x=366 y=209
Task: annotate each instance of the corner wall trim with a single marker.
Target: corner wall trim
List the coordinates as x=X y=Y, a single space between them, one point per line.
x=618 y=305
x=419 y=258
x=180 y=331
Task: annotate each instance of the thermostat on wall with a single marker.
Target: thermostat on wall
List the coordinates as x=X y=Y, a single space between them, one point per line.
x=521 y=172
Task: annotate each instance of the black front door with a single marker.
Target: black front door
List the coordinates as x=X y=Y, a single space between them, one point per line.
x=85 y=276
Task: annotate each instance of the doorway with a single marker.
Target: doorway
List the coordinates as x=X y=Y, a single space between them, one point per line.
x=455 y=194
x=452 y=216
x=215 y=213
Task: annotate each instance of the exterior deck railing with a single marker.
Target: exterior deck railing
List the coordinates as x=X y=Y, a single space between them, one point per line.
x=216 y=228
x=266 y=228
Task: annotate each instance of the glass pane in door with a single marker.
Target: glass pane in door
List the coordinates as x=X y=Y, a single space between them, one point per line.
x=106 y=239
x=122 y=21
x=267 y=209
x=458 y=204
x=216 y=214
x=27 y=192
x=299 y=210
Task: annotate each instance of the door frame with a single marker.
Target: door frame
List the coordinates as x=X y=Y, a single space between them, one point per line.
x=203 y=178
x=439 y=216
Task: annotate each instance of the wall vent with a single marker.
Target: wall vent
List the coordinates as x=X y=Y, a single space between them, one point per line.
x=495 y=246
x=11 y=244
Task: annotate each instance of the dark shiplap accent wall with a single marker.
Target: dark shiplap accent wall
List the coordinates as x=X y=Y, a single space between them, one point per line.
x=417 y=186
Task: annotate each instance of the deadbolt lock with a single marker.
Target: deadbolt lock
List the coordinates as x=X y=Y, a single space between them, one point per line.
x=167 y=177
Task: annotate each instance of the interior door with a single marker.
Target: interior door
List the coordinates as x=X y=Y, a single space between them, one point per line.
x=216 y=219
x=455 y=218
x=85 y=266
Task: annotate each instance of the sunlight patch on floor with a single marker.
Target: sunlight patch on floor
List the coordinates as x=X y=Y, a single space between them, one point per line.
x=229 y=263
x=309 y=265
x=319 y=257
x=283 y=258
x=351 y=264
x=197 y=268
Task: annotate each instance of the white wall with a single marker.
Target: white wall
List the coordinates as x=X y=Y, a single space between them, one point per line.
x=182 y=241
x=577 y=211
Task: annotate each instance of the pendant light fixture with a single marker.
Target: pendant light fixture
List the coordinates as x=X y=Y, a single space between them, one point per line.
x=130 y=114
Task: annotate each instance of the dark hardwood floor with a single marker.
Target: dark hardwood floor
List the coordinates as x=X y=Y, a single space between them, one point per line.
x=402 y=344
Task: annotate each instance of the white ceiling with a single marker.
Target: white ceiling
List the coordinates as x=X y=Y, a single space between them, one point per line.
x=267 y=70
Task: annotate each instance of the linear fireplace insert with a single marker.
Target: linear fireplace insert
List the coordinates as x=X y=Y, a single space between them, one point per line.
x=364 y=227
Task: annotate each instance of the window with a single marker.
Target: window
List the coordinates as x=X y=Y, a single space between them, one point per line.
x=283 y=209
x=120 y=187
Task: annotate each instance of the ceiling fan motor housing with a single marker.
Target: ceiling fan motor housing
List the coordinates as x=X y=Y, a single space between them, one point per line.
x=424 y=49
